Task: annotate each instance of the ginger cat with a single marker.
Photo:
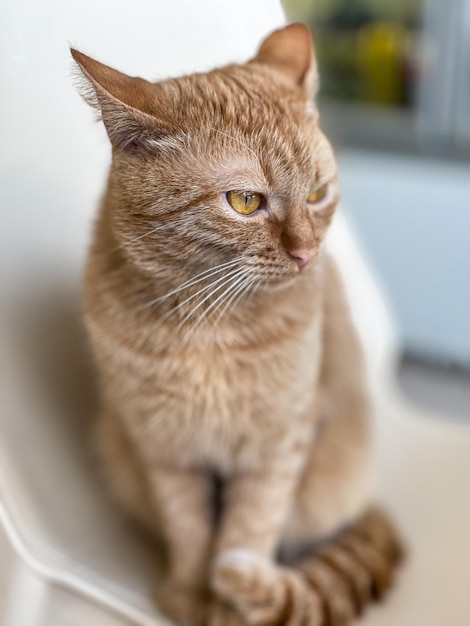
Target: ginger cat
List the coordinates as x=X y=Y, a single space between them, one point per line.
x=229 y=367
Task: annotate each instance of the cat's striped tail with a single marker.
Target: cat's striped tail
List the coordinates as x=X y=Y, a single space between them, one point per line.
x=329 y=588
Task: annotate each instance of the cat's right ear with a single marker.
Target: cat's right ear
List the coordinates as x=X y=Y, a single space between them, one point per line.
x=126 y=105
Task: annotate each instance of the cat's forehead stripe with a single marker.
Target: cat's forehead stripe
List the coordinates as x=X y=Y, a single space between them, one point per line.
x=251 y=179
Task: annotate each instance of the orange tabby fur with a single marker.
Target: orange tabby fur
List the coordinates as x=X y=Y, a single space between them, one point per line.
x=219 y=358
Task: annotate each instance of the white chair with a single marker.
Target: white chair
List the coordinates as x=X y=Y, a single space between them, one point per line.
x=66 y=557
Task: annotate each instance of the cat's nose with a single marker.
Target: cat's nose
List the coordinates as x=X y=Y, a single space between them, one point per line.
x=301 y=257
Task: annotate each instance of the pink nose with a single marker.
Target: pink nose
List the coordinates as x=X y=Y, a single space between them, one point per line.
x=301 y=257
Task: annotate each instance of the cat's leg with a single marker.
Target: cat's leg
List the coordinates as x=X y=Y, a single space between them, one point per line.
x=123 y=470
x=183 y=499
x=343 y=574
x=356 y=549
x=332 y=491
x=176 y=506
x=255 y=507
x=336 y=483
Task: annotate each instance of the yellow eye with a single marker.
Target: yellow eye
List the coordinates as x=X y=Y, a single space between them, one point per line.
x=318 y=195
x=244 y=202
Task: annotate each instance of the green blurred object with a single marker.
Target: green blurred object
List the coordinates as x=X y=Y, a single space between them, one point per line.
x=381 y=53
x=363 y=47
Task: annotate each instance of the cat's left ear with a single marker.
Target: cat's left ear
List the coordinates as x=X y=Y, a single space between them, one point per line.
x=133 y=110
x=290 y=51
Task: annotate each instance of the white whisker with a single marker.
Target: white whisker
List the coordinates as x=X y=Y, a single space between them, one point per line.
x=147 y=234
x=209 y=286
x=194 y=280
x=131 y=241
x=240 y=290
x=254 y=282
x=234 y=282
x=198 y=306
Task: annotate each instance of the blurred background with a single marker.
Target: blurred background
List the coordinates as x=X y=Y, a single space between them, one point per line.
x=395 y=100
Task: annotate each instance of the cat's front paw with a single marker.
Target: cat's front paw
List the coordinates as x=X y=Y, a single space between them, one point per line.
x=240 y=574
x=185 y=605
x=262 y=592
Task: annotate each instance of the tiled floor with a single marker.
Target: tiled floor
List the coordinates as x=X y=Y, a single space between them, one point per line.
x=440 y=389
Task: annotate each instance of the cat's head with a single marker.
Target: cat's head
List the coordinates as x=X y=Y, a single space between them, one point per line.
x=227 y=168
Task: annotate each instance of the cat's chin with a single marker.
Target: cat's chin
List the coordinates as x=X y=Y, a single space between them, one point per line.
x=278 y=283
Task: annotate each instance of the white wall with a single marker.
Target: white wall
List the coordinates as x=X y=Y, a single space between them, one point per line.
x=53 y=157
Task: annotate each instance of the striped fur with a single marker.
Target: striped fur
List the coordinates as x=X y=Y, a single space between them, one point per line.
x=331 y=587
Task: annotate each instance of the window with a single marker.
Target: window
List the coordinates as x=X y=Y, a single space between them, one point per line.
x=394 y=75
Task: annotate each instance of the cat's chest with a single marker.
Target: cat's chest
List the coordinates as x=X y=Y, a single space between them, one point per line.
x=210 y=405
x=241 y=381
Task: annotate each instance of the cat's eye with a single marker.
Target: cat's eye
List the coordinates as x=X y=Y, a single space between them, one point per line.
x=244 y=202
x=318 y=195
